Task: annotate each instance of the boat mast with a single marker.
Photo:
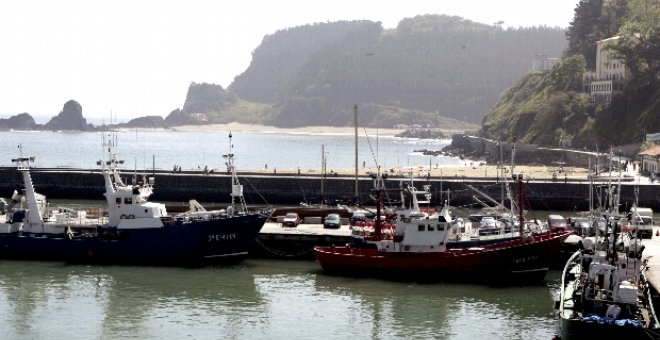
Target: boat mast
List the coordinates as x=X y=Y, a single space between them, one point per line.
x=323 y=171
x=501 y=169
x=236 y=187
x=591 y=195
x=521 y=198
x=355 y=112
x=513 y=155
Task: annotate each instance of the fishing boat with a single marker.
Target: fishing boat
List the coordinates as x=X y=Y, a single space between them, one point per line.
x=604 y=292
x=131 y=230
x=413 y=242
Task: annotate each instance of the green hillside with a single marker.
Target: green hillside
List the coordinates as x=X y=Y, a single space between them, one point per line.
x=544 y=107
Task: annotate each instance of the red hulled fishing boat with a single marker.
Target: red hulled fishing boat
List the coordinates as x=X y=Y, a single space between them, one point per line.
x=416 y=243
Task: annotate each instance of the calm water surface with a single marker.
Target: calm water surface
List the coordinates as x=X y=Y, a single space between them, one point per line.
x=258 y=299
x=189 y=150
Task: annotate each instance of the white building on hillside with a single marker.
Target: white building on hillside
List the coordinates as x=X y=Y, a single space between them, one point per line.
x=609 y=77
x=541 y=62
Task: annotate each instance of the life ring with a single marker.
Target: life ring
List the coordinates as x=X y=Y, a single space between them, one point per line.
x=123 y=216
x=131 y=216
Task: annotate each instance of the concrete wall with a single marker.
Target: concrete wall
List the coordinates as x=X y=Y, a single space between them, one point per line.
x=291 y=190
x=533 y=154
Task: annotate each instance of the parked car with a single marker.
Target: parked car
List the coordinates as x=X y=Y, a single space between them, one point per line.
x=557 y=222
x=358 y=217
x=332 y=221
x=582 y=226
x=488 y=226
x=291 y=220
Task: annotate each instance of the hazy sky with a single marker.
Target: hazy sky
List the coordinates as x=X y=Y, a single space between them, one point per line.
x=135 y=58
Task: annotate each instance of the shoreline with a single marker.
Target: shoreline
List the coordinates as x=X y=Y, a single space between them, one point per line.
x=257 y=128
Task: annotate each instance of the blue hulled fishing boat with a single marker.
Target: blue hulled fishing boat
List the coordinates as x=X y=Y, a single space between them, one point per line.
x=131 y=229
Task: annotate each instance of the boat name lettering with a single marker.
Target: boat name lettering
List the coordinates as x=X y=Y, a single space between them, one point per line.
x=526 y=259
x=222 y=237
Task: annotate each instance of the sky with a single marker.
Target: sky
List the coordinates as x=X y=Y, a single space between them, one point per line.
x=123 y=59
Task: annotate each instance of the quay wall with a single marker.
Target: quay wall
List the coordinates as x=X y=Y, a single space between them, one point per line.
x=492 y=150
x=261 y=189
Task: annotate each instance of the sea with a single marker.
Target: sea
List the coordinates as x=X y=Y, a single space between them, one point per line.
x=192 y=150
x=257 y=299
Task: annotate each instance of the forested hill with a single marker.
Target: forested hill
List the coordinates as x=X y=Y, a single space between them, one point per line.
x=544 y=108
x=429 y=66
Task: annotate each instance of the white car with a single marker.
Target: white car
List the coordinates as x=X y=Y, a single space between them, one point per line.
x=291 y=220
x=488 y=226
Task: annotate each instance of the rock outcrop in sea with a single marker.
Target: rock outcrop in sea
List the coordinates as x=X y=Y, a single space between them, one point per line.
x=69 y=119
x=21 y=121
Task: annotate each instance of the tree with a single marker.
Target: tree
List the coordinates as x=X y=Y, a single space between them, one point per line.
x=594 y=20
x=567 y=75
x=581 y=32
x=639 y=49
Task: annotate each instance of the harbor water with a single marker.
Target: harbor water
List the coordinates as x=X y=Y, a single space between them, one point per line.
x=272 y=299
x=192 y=150
x=258 y=299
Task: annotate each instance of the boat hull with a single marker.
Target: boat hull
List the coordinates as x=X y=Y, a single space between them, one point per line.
x=512 y=261
x=219 y=240
x=578 y=329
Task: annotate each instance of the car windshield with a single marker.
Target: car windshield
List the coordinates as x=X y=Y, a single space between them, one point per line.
x=332 y=217
x=291 y=215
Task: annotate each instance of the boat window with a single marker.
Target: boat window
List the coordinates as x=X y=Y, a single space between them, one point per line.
x=421 y=227
x=431 y=227
x=128 y=200
x=441 y=227
x=118 y=200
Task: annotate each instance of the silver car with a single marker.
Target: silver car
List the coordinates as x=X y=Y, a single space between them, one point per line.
x=332 y=221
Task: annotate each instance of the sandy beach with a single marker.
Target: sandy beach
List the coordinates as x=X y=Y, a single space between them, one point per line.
x=470 y=169
x=307 y=130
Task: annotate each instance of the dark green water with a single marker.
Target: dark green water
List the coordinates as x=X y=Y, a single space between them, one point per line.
x=258 y=299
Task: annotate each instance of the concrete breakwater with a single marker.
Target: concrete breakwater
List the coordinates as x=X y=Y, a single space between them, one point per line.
x=293 y=188
x=494 y=151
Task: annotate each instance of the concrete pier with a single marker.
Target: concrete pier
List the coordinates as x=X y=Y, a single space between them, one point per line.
x=291 y=188
x=277 y=241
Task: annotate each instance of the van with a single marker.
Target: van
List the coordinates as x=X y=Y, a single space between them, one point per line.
x=643 y=219
x=644 y=216
x=557 y=223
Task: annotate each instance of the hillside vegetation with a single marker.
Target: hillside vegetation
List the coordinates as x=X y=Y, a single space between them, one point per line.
x=429 y=67
x=542 y=108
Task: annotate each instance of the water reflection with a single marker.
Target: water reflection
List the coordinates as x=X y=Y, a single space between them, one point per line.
x=277 y=299
x=450 y=311
x=57 y=301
